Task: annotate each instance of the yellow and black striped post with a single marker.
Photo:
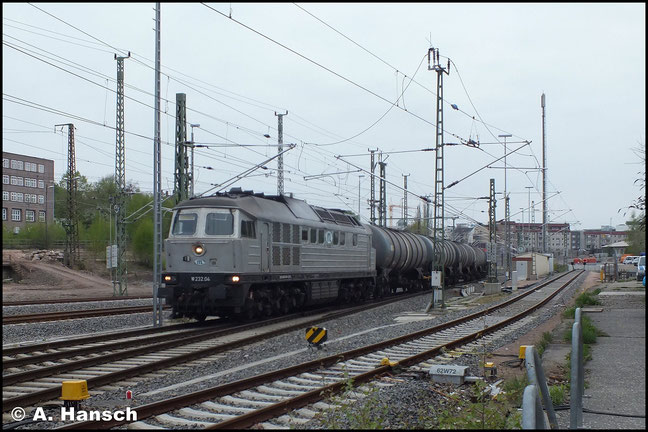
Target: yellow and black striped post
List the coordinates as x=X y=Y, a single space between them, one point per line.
x=316 y=336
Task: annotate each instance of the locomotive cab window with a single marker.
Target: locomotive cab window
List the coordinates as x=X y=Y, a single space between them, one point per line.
x=304 y=235
x=336 y=237
x=355 y=239
x=342 y=238
x=219 y=223
x=248 y=229
x=185 y=223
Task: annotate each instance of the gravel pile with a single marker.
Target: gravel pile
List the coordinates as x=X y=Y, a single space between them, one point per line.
x=401 y=404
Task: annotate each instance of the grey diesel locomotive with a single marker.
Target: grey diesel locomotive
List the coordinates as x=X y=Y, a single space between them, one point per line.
x=247 y=255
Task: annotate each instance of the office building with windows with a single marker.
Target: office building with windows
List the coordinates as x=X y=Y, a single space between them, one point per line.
x=27 y=190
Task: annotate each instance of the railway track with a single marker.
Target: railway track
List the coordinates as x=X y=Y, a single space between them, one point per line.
x=57 y=316
x=77 y=300
x=265 y=399
x=105 y=364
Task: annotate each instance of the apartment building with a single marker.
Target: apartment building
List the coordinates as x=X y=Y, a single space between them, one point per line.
x=27 y=190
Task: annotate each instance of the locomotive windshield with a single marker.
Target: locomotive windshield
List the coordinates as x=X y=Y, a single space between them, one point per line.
x=185 y=223
x=219 y=223
x=208 y=222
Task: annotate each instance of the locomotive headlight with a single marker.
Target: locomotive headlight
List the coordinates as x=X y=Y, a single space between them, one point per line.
x=235 y=278
x=167 y=278
x=199 y=249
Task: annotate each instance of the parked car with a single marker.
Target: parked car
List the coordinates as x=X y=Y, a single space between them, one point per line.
x=635 y=261
x=641 y=268
x=623 y=257
x=628 y=260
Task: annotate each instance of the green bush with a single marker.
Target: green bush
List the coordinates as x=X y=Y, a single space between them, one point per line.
x=142 y=242
x=558 y=394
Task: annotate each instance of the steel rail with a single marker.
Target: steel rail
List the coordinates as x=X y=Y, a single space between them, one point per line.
x=17 y=362
x=99 y=338
x=79 y=300
x=57 y=316
x=277 y=409
x=52 y=393
x=249 y=419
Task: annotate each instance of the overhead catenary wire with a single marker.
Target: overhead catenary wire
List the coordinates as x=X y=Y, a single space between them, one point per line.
x=169 y=144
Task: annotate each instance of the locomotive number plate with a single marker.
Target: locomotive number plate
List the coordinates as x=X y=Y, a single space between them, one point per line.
x=200 y=279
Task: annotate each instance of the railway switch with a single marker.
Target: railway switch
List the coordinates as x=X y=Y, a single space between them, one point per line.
x=73 y=392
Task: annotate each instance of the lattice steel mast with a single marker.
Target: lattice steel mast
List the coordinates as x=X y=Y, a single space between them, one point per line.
x=181 y=174
x=157 y=181
x=492 y=235
x=438 y=231
x=119 y=282
x=280 y=167
x=71 y=255
x=373 y=187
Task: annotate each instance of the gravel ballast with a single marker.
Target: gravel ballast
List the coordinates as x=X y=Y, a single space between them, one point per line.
x=400 y=405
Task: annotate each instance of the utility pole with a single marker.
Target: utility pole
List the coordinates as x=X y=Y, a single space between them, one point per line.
x=120 y=283
x=71 y=256
x=438 y=231
x=492 y=235
x=533 y=222
x=426 y=217
x=373 y=188
x=527 y=244
x=507 y=229
x=359 y=178
x=280 y=168
x=405 y=198
x=508 y=239
x=544 y=178
x=192 y=178
x=157 y=182
x=382 y=204
x=181 y=173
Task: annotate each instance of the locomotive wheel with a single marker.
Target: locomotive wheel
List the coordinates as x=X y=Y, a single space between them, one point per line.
x=284 y=305
x=200 y=317
x=248 y=311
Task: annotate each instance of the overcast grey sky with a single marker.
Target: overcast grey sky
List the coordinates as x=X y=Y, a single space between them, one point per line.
x=348 y=65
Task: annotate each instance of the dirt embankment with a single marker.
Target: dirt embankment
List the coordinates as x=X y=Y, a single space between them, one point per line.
x=48 y=279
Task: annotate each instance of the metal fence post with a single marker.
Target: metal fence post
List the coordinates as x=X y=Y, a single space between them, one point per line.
x=536 y=377
x=532 y=414
x=577 y=374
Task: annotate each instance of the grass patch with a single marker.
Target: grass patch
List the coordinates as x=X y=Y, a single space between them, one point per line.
x=546 y=339
x=558 y=394
x=590 y=332
x=485 y=412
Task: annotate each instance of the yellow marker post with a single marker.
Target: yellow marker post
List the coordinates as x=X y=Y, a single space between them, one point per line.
x=73 y=392
x=316 y=336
